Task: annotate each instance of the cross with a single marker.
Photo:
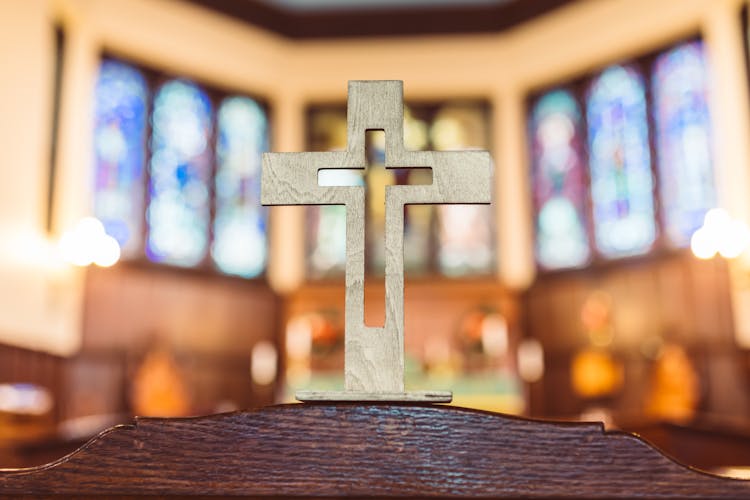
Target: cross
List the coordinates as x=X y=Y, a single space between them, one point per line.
x=374 y=356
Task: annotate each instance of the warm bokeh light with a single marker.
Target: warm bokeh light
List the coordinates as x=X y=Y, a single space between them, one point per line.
x=264 y=363
x=159 y=387
x=494 y=335
x=530 y=360
x=701 y=244
x=720 y=234
x=675 y=386
x=87 y=243
x=107 y=252
x=735 y=240
x=25 y=399
x=595 y=373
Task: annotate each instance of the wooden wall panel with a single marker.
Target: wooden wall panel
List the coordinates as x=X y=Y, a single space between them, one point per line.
x=19 y=365
x=209 y=322
x=675 y=298
x=432 y=307
x=130 y=305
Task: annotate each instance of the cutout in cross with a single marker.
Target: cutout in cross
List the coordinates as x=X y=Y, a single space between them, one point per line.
x=374 y=194
x=374 y=356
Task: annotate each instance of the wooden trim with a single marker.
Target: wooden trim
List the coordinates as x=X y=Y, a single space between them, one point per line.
x=365 y=22
x=368 y=450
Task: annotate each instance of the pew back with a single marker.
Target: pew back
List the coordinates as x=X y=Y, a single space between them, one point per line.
x=368 y=450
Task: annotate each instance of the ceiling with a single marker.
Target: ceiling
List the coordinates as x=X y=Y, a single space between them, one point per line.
x=348 y=5
x=356 y=18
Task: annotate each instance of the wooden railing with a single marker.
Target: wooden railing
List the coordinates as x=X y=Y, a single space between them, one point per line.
x=368 y=450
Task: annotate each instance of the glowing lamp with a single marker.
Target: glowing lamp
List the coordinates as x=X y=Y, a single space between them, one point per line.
x=87 y=243
x=720 y=234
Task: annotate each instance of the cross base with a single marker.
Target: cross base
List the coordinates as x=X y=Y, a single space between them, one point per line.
x=362 y=396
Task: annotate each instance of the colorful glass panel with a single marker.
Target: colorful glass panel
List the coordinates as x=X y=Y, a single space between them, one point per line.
x=326 y=225
x=119 y=147
x=432 y=234
x=465 y=240
x=239 y=245
x=417 y=218
x=559 y=188
x=180 y=175
x=620 y=163
x=683 y=138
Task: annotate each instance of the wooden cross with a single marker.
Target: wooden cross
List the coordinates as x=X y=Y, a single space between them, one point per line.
x=374 y=356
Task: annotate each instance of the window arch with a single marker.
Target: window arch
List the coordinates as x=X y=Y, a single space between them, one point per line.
x=239 y=245
x=120 y=114
x=683 y=137
x=179 y=209
x=559 y=181
x=620 y=163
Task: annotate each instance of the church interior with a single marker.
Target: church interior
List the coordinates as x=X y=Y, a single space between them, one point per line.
x=608 y=280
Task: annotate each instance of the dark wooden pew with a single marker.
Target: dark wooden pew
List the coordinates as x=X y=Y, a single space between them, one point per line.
x=706 y=443
x=367 y=450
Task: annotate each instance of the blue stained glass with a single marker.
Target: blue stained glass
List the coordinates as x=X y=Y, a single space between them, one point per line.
x=179 y=211
x=620 y=164
x=119 y=144
x=558 y=181
x=240 y=225
x=683 y=133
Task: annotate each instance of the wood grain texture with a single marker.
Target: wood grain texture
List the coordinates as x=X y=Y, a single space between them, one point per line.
x=374 y=356
x=352 y=396
x=368 y=450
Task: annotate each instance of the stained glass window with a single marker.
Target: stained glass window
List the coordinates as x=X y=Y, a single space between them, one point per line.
x=195 y=186
x=683 y=134
x=465 y=236
x=326 y=225
x=558 y=179
x=239 y=245
x=180 y=175
x=119 y=149
x=623 y=190
x=417 y=218
x=453 y=240
x=619 y=163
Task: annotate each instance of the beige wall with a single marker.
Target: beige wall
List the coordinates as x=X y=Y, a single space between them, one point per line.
x=39 y=300
x=42 y=308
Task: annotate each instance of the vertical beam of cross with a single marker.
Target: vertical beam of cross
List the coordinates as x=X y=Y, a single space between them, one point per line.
x=374 y=191
x=374 y=357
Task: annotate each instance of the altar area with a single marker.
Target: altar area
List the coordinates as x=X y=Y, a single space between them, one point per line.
x=575 y=295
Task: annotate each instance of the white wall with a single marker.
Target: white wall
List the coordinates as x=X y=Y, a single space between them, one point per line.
x=40 y=307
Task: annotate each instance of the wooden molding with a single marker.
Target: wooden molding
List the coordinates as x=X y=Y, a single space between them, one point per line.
x=383 y=22
x=368 y=450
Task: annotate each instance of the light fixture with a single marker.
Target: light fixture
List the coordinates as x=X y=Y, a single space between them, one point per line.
x=530 y=360
x=263 y=363
x=88 y=243
x=720 y=234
